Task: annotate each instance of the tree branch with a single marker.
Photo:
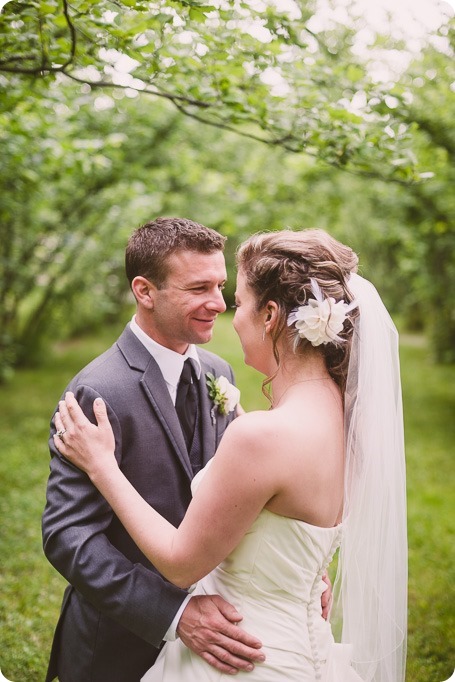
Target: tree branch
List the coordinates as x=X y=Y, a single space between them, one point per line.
x=73 y=35
x=17 y=58
x=282 y=142
x=155 y=92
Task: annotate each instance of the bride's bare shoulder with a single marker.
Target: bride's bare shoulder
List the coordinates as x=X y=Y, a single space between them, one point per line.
x=255 y=427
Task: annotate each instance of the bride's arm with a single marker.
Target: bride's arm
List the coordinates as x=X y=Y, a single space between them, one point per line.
x=240 y=482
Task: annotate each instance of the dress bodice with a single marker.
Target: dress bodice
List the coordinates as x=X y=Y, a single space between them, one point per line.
x=274 y=578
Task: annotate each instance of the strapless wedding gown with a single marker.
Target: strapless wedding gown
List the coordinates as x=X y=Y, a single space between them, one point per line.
x=274 y=579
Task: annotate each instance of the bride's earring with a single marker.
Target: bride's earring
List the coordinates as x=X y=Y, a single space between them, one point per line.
x=263 y=334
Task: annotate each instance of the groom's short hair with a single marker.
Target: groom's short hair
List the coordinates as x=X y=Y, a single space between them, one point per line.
x=150 y=246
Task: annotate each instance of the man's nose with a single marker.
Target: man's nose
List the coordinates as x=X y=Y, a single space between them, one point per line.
x=216 y=302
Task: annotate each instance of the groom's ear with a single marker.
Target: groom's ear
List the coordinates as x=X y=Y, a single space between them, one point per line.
x=144 y=292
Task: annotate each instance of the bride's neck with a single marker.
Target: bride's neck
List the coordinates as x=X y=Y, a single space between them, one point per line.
x=297 y=370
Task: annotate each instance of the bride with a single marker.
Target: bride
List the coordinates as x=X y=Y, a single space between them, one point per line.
x=322 y=469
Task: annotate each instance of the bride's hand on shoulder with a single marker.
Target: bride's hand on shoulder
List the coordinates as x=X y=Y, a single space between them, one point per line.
x=88 y=446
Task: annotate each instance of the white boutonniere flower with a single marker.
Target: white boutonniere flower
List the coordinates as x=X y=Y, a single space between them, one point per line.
x=224 y=395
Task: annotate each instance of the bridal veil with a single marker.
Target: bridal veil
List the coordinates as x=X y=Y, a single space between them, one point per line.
x=370 y=589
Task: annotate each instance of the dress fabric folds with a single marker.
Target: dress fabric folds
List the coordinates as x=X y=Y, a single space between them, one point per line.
x=274 y=579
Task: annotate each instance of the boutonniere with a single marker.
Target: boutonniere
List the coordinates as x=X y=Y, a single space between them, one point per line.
x=224 y=395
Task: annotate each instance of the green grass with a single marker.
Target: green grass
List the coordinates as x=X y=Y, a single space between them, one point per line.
x=429 y=403
x=30 y=589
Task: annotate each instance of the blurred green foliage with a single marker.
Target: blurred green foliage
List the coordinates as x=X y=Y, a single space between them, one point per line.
x=92 y=145
x=247 y=66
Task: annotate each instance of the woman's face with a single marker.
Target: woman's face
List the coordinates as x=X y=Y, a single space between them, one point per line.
x=249 y=325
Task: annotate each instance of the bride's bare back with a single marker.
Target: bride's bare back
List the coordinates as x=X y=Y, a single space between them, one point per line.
x=309 y=456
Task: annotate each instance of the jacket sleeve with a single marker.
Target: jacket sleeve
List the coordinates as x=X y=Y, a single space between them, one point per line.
x=74 y=525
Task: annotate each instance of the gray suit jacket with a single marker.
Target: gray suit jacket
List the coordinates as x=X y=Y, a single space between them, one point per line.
x=117 y=608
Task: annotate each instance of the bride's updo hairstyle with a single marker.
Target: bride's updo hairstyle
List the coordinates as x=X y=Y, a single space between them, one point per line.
x=278 y=266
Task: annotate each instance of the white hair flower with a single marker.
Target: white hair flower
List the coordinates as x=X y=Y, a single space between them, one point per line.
x=321 y=319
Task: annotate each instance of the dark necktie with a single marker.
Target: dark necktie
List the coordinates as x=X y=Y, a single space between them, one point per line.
x=186 y=403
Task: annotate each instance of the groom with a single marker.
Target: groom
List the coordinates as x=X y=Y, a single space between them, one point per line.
x=117 y=609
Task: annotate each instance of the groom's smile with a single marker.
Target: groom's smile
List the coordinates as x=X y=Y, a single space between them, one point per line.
x=186 y=306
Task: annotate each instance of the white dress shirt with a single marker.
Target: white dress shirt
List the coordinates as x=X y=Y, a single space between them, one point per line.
x=169 y=362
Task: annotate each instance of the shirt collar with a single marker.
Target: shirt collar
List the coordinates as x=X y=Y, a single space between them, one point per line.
x=169 y=362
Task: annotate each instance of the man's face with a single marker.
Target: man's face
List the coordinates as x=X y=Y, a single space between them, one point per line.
x=186 y=307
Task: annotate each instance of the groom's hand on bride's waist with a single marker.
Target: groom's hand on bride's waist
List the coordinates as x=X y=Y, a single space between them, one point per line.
x=326 y=598
x=208 y=627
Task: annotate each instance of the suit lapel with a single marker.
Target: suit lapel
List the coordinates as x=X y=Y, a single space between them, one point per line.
x=155 y=389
